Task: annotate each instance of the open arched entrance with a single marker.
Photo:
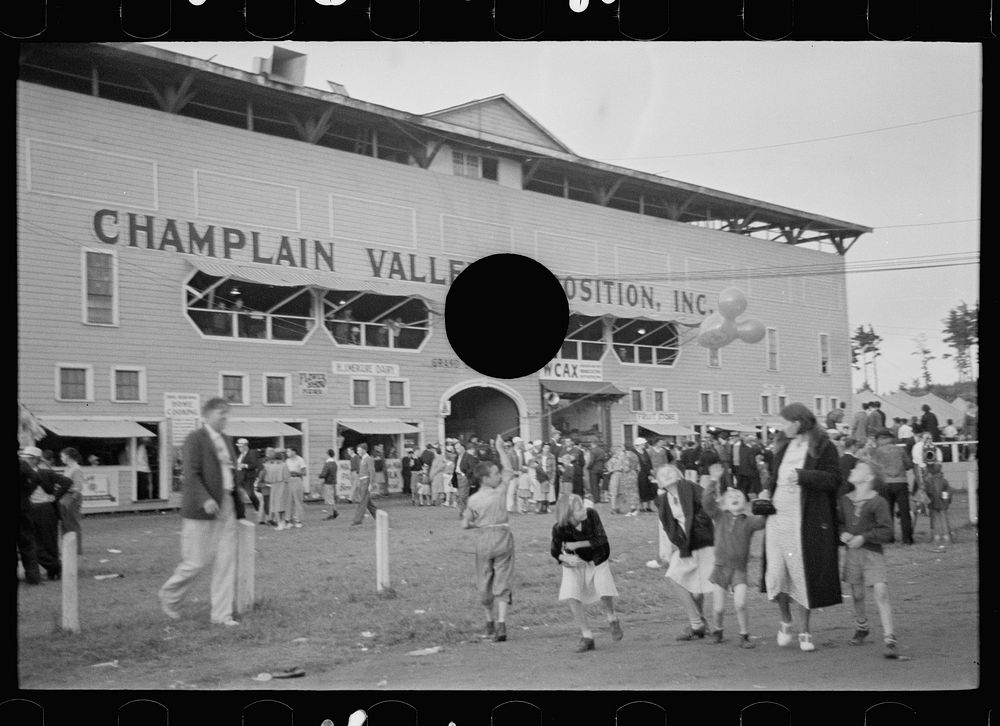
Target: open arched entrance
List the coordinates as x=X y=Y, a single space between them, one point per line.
x=482 y=408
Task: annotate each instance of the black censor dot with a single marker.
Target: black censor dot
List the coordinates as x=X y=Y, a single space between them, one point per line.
x=506 y=316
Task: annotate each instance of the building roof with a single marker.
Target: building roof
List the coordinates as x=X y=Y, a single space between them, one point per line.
x=494 y=124
x=489 y=114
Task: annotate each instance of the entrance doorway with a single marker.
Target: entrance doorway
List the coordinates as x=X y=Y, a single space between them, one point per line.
x=484 y=412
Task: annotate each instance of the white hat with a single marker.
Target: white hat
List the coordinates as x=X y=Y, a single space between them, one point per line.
x=536 y=442
x=640 y=441
x=31 y=451
x=242 y=441
x=517 y=439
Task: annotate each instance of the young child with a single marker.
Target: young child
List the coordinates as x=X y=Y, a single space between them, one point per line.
x=524 y=482
x=487 y=511
x=734 y=527
x=423 y=488
x=580 y=545
x=449 y=490
x=690 y=531
x=865 y=524
x=938 y=493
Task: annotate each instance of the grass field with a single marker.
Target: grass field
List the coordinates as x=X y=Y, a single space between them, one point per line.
x=318 y=609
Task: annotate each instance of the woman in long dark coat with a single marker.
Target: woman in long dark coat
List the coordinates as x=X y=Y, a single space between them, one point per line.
x=800 y=543
x=647 y=487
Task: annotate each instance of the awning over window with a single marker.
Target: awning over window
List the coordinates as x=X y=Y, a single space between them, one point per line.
x=733 y=426
x=583 y=388
x=283 y=276
x=84 y=428
x=379 y=426
x=260 y=428
x=669 y=429
x=596 y=310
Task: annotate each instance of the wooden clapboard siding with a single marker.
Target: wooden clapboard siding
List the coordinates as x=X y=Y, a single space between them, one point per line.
x=430 y=209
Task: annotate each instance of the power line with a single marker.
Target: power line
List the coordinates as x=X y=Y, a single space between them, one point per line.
x=796 y=143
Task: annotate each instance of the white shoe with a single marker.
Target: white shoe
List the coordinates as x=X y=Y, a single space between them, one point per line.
x=229 y=623
x=784 y=636
x=806 y=643
x=298 y=525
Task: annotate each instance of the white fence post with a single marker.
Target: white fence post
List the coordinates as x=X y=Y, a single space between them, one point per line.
x=70 y=592
x=972 y=490
x=246 y=534
x=381 y=550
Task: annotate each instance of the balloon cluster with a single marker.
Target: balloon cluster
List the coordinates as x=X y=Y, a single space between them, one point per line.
x=720 y=328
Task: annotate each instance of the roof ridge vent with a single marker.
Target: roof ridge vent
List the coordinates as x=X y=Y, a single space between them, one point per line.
x=284 y=66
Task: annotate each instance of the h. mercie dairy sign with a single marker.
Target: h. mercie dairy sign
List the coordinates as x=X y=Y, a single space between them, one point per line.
x=147 y=232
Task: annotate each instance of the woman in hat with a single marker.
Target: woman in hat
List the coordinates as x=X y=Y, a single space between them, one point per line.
x=645 y=482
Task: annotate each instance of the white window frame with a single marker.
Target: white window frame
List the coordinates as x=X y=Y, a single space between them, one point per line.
x=818 y=402
x=834 y=404
x=629 y=428
x=782 y=402
x=722 y=396
x=388 y=391
x=701 y=409
x=88 y=381
x=828 y=361
x=371 y=392
x=288 y=388
x=631 y=399
x=768 y=351
x=114 y=285
x=141 y=370
x=666 y=406
x=246 y=386
x=717 y=352
x=765 y=404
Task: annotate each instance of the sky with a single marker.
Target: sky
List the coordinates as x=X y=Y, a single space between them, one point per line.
x=671 y=108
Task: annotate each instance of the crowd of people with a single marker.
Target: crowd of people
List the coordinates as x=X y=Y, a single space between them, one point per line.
x=812 y=490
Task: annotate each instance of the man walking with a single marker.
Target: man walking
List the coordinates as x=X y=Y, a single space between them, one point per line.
x=366 y=478
x=210 y=506
x=895 y=464
x=466 y=467
x=328 y=476
x=745 y=452
x=247 y=469
x=859 y=429
x=598 y=456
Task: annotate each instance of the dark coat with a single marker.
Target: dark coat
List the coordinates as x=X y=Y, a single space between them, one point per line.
x=202 y=476
x=597 y=459
x=647 y=489
x=698 y=531
x=590 y=530
x=819 y=482
x=248 y=476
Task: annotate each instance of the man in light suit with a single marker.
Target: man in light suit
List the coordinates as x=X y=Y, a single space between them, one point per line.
x=366 y=479
x=210 y=506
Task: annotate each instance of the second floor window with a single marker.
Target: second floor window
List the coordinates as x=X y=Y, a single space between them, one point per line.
x=645 y=342
x=478 y=167
x=223 y=307
x=584 y=339
x=376 y=321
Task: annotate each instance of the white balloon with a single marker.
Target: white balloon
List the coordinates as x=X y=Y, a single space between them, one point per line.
x=751 y=330
x=732 y=303
x=713 y=332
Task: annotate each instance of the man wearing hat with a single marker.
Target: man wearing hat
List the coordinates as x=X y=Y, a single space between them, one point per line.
x=247 y=470
x=210 y=505
x=43 y=490
x=647 y=487
x=897 y=468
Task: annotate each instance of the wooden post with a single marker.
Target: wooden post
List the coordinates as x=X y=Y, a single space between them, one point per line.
x=70 y=599
x=381 y=550
x=972 y=490
x=246 y=533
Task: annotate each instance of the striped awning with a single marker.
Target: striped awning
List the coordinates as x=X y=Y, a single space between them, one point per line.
x=282 y=276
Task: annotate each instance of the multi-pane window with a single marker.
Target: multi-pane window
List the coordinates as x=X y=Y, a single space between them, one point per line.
x=368 y=320
x=714 y=358
x=361 y=392
x=824 y=353
x=100 y=288
x=478 y=167
x=765 y=404
x=725 y=403
x=584 y=339
x=705 y=402
x=636 y=396
x=398 y=393
x=276 y=391
x=74 y=383
x=659 y=400
x=234 y=388
x=223 y=307
x=128 y=384
x=645 y=342
x=772 y=349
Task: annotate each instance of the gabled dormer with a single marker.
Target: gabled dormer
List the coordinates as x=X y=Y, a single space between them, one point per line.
x=500 y=116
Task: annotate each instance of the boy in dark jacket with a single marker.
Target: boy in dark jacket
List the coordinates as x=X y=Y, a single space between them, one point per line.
x=864 y=523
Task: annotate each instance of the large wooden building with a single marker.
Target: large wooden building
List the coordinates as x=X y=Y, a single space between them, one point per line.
x=188 y=230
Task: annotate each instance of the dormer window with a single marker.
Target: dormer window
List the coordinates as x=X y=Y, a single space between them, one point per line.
x=478 y=167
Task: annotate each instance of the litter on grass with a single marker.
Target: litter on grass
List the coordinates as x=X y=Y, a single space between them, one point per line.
x=381 y=683
x=115 y=552
x=367 y=634
x=107 y=664
x=427 y=651
x=301 y=640
x=653 y=565
x=419 y=612
x=104 y=560
x=107 y=577
x=262 y=677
